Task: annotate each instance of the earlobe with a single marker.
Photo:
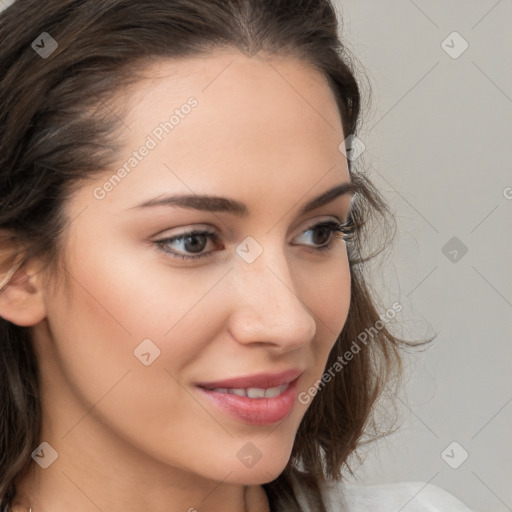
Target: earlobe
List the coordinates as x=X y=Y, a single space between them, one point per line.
x=21 y=298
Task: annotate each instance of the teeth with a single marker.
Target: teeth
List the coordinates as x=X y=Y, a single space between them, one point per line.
x=254 y=392
x=239 y=392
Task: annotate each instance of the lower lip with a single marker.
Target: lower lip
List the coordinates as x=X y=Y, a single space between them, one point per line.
x=256 y=411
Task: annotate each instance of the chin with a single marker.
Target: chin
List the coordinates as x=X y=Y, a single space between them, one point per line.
x=270 y=464
x=258 y=475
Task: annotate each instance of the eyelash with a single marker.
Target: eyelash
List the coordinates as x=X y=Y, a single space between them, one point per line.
x=343 y=231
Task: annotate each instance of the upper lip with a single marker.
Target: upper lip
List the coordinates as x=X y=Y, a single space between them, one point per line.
x=258 y=380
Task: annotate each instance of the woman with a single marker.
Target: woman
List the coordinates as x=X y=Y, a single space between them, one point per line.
x=184 y=238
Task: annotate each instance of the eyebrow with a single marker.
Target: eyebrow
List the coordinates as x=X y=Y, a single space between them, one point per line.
x=210 y=203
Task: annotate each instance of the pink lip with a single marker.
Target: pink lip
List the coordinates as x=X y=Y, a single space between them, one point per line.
x=259 y=380
x=256 y=411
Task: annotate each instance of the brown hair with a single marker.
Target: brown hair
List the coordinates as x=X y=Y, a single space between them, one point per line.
x=56 y=131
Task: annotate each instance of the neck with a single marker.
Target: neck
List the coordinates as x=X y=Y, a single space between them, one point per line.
x=254 y=500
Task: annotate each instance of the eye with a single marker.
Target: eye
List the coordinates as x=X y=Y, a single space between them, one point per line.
x=195 y=241
x=326 y=230
x=192 y=241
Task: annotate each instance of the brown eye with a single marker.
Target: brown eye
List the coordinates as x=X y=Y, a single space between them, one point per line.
x=193 y=242
x=325 y=231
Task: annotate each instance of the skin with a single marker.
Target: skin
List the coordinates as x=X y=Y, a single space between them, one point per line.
x=133 y=437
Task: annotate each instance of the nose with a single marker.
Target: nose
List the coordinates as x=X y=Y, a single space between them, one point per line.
x=268 y=307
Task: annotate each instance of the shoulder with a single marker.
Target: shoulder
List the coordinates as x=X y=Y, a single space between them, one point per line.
x=403 y=496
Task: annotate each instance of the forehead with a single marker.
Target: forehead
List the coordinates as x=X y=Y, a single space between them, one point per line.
x=256 y=123
x=241 y=101
x=217 y=74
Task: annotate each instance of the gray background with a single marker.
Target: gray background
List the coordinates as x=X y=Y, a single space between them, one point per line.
x=438 y=139
x=438 y=143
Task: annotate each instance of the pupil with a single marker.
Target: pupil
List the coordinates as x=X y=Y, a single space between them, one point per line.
x=193 y=247
x=325 y=231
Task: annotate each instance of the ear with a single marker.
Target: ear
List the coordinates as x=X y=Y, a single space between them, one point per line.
x=21 y=298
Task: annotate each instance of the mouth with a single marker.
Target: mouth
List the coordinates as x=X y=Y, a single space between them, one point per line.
x=255 y=406
x=253 y=392
x=256 y=381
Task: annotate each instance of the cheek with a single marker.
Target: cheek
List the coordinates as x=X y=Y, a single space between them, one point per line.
x=329 y=298
x=328 y=291
x=95 y=330
x=109 y=319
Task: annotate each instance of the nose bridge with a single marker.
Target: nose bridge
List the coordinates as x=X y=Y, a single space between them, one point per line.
x=269 y=307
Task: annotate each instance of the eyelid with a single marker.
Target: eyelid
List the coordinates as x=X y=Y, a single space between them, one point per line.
x=329 y=218
x=187 y=230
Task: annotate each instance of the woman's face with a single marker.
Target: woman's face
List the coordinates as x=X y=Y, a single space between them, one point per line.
x=125 y=343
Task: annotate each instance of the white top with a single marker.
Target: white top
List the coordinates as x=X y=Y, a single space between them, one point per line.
x=394 y=497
